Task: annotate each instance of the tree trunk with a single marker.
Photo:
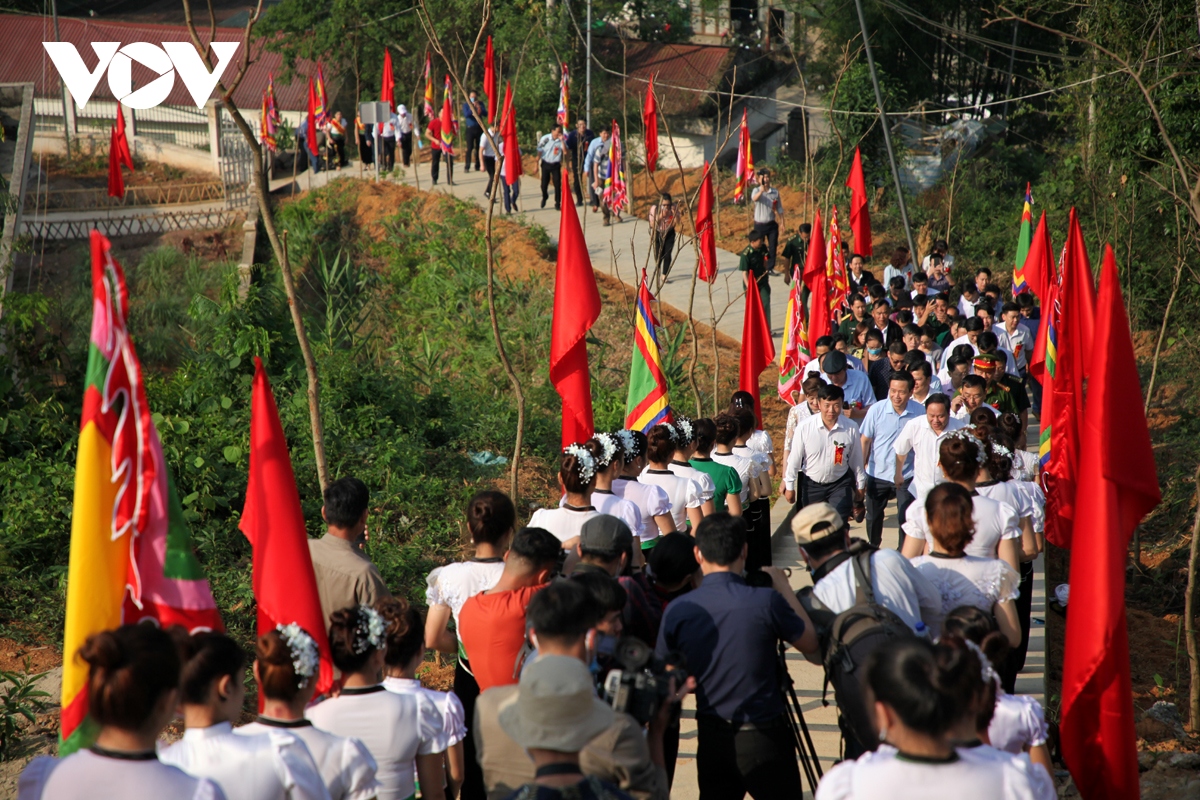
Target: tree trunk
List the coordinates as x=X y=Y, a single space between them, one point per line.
x=1189 y=619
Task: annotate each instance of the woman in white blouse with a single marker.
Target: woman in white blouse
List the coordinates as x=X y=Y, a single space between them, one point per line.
x=132 y=693
x=652 y=501
x=610 y=460
x=988 y=584
x=680 y=464
x=683 y=492
x=285 y=668
x=577 y=480
x=397 y=730
x=271 y=766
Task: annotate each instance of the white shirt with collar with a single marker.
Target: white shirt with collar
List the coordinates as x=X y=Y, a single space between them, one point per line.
x=766 y=204
x=919 y=438
x=899 y=587
x=746 y=468
x=273 y=766
x=993 y=521
x=445 y=704
x=1019 y=343
x=825 y=454
x=345 y=764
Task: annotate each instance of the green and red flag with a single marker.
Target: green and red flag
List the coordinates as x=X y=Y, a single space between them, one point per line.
x=131 y=553
x=839 y=284
x=447 y=120
x=322 y=98
x=648 y=403
x=795 y=353
x=1019 y=279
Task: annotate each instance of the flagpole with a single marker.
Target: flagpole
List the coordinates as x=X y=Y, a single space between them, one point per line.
x=588 y=80
x=887 y=135
x=66 y=96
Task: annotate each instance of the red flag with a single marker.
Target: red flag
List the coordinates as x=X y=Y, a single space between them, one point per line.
x=447 y=120
x=650 y=123
x=745 y=162
x=311 y=122
x=387 y=91
x=508 y=130
x=705 y=229
x=1074 y=324
x=285 y=585
x=116 y=181
x=489 y=80
x=860 y=215
x=839 y=284
x=123 y=140
x=758 y=348
x=814 y=262
x=1039 y=263
x=576 y=308
x=1118 y=486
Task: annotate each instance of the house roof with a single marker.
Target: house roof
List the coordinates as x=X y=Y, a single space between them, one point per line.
x=26 y=61
x=685 y=75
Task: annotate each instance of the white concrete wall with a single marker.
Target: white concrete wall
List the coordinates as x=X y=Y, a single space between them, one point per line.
x=148 y=149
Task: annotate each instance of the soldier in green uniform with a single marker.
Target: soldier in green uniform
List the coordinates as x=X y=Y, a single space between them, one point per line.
x=754 y=263
x=795 y=252
x=1004 y=391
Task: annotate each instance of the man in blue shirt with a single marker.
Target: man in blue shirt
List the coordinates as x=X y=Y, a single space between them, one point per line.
x=474 y=130
x=880 y=428
x=550 y=155
x=855 y=384
x=728 y=633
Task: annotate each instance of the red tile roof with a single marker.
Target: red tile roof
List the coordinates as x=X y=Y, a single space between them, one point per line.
x=24 y=60
x=685 y=75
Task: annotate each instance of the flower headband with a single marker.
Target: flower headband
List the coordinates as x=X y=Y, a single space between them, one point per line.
x=1001 y=451
x=368 y=631
x=303 y=649
x=985 y=664
x=687 y=431
x=970 y=438
x=608 y=448
x=671 y=431
x=585 y=461
x=628 y=443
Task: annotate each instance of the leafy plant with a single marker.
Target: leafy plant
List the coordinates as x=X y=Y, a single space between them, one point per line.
x=20 y=699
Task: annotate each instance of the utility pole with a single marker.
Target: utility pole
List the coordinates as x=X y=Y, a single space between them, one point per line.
x=66 y=97
x=588 y=79
x=887 y=133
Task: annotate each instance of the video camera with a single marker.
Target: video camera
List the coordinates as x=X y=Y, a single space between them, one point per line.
x=642 y=683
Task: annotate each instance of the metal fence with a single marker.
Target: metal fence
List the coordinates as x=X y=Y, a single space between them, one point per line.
x=176 y=125
x=160 y=222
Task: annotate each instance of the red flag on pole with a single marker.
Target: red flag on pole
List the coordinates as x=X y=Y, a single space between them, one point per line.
x=576 y=308
x=650 y=123
x=758 y=348
x=123 y=151
x=489 y=80
x=116 y=181
x=1118 y=486
x=1074 y=323
x=814 y=262
x=704 y=228
x=508 y=130
x=311 y=122
x=1039 y=263
x=745 y=162
x=860 y=216
x=447 y=120
x=816 y=278
x=285 y=585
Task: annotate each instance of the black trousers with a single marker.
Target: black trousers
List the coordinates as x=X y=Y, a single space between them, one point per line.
x=406 y=148
x=839 y=493
x=552 y=173
x=474 y=133
x=468 y=692
x=388 y=161
x=1015 y=662
x=435 y=166
x=771 y=231
x=664 y=249
x=577 y=174
x=733 y=760
x=489 y=164
x=366 y=148
x=758 y=536
x=879 y=492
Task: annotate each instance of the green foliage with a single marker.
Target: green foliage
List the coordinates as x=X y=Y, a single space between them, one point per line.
x=20 y=700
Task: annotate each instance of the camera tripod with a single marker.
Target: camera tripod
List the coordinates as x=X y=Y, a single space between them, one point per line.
x=810 y=762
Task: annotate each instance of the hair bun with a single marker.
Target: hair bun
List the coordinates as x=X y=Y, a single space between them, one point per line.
x=104 y=651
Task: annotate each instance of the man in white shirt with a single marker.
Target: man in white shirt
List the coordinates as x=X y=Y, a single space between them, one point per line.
x=550 y=151
x=1014 y=337
x=970 y=397
x=941 y=248
x=593 y=152
x=880 y=427
x=920 y=438
x=855 y=385
x=827 y=448
x=768 y=214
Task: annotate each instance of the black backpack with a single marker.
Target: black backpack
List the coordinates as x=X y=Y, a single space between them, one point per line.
x=847 y=641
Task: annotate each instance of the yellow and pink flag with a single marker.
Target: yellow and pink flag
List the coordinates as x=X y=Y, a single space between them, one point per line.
x=131 y=557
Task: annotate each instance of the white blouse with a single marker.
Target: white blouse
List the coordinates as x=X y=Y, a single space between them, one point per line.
x=702 y=479
x=444 y=704
x=565 y=523
x=968 y=581
x=993 y=521
x=652 y=501
x=1017 y=723
x=275 y=766
x=760 y=442
x=455 y=584
x=345 y=765
x=746 y=469
x=1026 y=465
x=1008 y=492
x=684 y=493
x=609 y=502
x=395 y=729
x=886 y=773
x=85 y=775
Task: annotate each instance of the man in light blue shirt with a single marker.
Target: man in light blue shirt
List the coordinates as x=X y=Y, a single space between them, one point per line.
x=597 y=144
x=859 y=396
x=550 y=154
x=880 y=427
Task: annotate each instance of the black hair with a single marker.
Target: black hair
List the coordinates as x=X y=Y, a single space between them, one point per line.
x=681 y=438
x=721 y=538
x=913 y=358
x=206 y=656
x=706 y=434
x=1024 y=300
x=927 y=685
x=346 y=500
x=746 y=421
x=874 y=334
x=404 y=631
x=920 y=277
x=876 y=291
x=973 y=324
x=537 y=547
x=902 y=375
x=129 y=670
x=728 y=428
x=563 y=610
x=911 y=330
x=1010 y=306
x=831 y=392
x=661 y=443
x=825 y=341
x=673 y=558
x=983 y=271
x=348 y=642
x=805 y=227
x=904 y=315
x=857 y=298
x=638 y=449
x=1010 y=425
x=963 y=351
x=956 y=361
x=987 y=341
x=975 y=382
x=572 y=468
x=607 y=595
x=490 y=516
x=921 y=366
x=898 y=348
x=741 y=399
x=897 y=282
x=921 y=300
x=938 y=398
x=983 y=417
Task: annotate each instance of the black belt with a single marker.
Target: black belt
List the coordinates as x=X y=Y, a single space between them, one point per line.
x=849 y=476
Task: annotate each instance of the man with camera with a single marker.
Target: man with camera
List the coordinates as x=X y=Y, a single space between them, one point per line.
x=728 y=633
x=852 y=576
x=561 y=618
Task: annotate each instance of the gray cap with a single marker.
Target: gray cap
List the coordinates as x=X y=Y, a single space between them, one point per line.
x=605 y=534
x=832 y=362
x=556 y=707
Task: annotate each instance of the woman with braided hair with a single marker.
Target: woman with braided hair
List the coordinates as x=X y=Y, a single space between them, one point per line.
x=652 y=501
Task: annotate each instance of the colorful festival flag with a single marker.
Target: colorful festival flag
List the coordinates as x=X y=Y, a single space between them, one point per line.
x=428 y=87
x=648 y=403
x=490 y=87
x=266 y=128
x=387 y=90
x=745 y=162
x=860 y=215
x=1019 y=282
x=816 y=278
x=131 y=553
x=707 y=265
x=310 y=121
x=449 y=128
x=564 y=97
x=795 y=353
x=650 y=126
x=322 y=99
x=616 y=193
x=839 y=284
x=272 y=106
x=1039 y=262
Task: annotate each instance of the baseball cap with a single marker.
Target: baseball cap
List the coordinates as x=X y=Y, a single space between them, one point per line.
x=605 y=534
x=810 y=517
x=833 y=361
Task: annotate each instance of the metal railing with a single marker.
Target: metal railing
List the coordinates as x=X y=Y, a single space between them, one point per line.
x=176 y=125
x=151 y=195
x=160 y=222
